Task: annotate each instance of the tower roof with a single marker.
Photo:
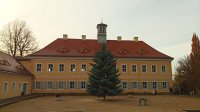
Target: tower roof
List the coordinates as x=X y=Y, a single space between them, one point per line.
x=102 y=24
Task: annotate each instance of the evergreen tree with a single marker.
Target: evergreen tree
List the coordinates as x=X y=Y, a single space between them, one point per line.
x=104 y=77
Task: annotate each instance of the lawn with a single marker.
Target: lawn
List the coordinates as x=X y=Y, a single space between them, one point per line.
x=159 y=103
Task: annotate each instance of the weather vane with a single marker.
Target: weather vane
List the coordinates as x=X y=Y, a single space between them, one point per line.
x=101 y=20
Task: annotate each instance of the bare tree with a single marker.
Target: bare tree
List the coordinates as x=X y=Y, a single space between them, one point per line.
x=17 y=39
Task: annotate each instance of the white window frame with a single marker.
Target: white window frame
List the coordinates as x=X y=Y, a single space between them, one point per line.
x=135 y=68
x=165 y=68
x=143 y=84
x=165 y=85
x=125 y=87
x=6 y=87
x=20 y=86
x=81 y=85
x=71 y=69
x=60 y=67
x=59 y=82
x=73 y=85
x=37 y=86
x=49 y=83
x=48 y=67
x=123 y=68
x=156 y=85
x=13 y=86
x=155 y=69
x=142 y=68
x=37 y=67
x=136 y=85
x=82 y=69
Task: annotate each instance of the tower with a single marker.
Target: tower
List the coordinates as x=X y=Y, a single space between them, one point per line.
x=101 y=33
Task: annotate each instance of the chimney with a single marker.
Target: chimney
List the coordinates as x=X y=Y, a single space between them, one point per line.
x=65 y=36
x=83 y=37
x=119 y=38
x=135 y=39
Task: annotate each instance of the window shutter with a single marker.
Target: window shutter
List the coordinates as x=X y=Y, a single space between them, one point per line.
x=64 y=84
x=86 y=83
x=56 y=84
x=140 y=85
x=137 y=85
x=130 y=85
x=45 y=84
x=67 y=85
x=53 y=85
x=42 y=85
x=78 y=85
x=168 y=85
x=159 y=85
x=149 y=85
x=75 y=85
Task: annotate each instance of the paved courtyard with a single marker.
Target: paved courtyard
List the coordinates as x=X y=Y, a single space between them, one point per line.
x=159 y=103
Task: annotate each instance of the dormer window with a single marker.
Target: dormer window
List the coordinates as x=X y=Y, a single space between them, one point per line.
x=64 y=50
x=83 y=50
x=123 y=51
x=142 y=52
x=4 y=62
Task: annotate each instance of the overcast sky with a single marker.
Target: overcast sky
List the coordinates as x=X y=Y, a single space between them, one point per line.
x=166 y=25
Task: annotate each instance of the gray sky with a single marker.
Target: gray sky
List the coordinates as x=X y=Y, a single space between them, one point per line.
x=166 y=25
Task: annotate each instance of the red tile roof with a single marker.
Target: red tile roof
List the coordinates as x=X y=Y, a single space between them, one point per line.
x=87 y=48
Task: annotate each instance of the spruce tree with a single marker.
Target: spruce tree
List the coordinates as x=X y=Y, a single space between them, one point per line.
x=104 y=77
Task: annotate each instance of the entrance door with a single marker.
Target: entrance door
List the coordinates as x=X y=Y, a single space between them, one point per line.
x=25 y=88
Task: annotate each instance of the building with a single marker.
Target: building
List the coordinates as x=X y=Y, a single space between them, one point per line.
x=63 y=65
x=15 y=80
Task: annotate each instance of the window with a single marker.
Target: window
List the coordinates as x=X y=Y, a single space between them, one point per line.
x=135 y=85
x=13 y=86
x=163 y=68
x=144 y=85
x=39 y=67
x=154 y=85
x=71 y=85
x=37 y=85
x=123 y=68
x=144 y=68
x=4 y=62
x=20 y=86
x=50 y=67
x=73 y=68
x=49 y=85
x=60 y=85
x=124 y=85
x=83 y=85
x=83 y=67
x=6 y=87
x=134 y=68
x=164 y=85
x=61 y=67
x=153 y=68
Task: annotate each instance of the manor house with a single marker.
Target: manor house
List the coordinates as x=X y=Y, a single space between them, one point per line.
x=63 y=65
